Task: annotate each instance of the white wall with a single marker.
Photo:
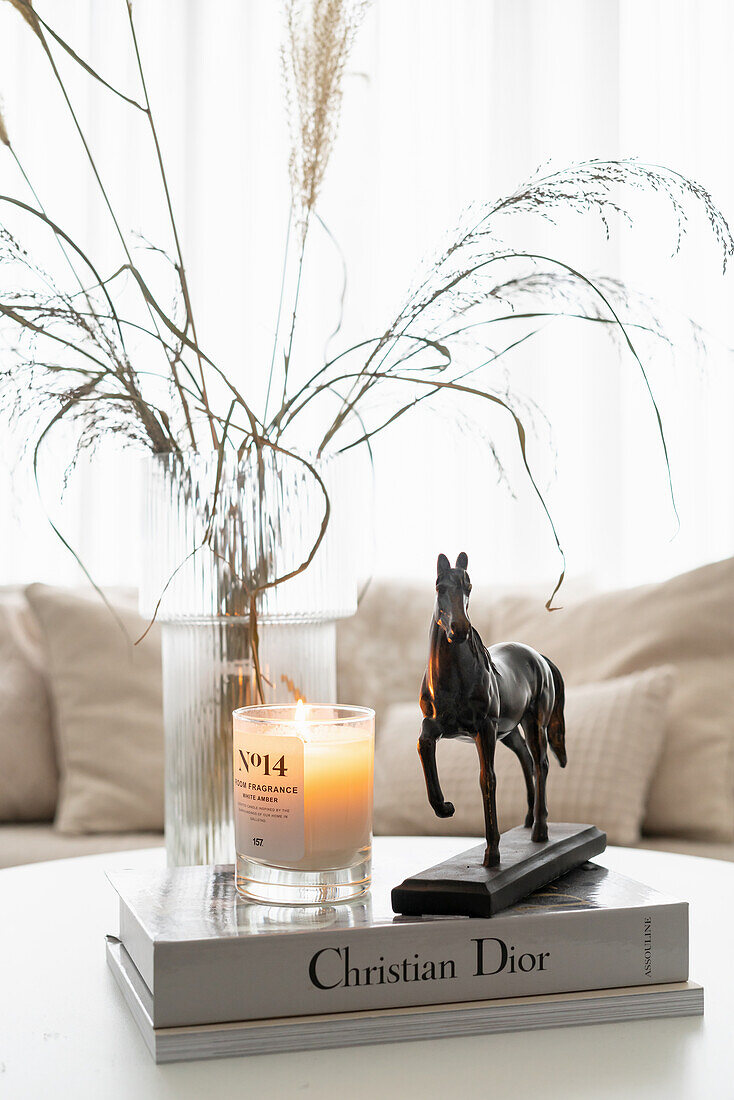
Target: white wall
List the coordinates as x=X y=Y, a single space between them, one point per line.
x=447 y=101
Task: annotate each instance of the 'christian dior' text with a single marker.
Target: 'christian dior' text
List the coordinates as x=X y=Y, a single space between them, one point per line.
x=332 y=967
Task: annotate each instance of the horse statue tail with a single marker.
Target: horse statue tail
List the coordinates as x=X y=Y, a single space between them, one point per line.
x=557 y=723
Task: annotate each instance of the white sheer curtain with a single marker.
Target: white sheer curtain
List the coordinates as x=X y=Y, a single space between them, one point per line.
x=447 y=101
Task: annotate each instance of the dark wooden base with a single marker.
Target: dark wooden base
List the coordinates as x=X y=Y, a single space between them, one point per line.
x=462 y=886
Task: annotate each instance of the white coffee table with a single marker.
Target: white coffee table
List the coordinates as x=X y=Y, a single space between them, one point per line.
x=66 y=1032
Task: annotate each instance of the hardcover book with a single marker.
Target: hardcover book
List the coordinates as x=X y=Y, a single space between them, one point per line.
x=393 y=1025
x=206 y=956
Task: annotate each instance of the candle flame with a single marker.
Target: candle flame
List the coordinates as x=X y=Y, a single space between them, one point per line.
x=300 y=720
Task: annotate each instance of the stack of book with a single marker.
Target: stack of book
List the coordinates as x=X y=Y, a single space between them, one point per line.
x=207 y=974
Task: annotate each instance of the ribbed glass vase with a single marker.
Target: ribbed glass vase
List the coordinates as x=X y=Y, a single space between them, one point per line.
x=214 y=547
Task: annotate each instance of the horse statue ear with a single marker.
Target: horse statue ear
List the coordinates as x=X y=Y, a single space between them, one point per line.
x=442 y=564
x=462 y=561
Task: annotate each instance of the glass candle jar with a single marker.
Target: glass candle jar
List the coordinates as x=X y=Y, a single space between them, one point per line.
x=303 y=802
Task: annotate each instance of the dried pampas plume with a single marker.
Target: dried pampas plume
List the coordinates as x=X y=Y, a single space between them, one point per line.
x=25 y=7
x=3 y=130
x=318 y=40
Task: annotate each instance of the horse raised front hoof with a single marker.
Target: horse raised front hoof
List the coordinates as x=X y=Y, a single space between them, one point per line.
x=446 y=809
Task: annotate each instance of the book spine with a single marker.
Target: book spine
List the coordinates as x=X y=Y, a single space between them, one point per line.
x=415 y=963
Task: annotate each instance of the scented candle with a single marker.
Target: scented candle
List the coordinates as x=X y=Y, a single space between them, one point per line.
x=303 y=802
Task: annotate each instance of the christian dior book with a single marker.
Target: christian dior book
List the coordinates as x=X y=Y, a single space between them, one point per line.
x=206 y=956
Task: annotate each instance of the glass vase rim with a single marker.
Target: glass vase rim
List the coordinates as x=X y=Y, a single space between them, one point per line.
x=346 y=714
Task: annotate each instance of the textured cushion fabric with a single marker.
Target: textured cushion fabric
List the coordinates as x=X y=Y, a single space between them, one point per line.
x=28 y=773
x=686 y=622
x=614 y=734
x=107 y=712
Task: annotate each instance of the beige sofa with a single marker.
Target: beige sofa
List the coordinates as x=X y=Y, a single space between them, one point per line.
x=687 y=623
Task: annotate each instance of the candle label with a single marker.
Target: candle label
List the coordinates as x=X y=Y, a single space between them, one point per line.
x=268 y=786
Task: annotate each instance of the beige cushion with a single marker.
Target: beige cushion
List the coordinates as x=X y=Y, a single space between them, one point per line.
x=687 y=622
x=28 y=773
x=614 y=734
x=107 y=712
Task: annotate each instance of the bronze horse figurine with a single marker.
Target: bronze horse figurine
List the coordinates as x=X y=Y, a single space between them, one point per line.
x=488 y=695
